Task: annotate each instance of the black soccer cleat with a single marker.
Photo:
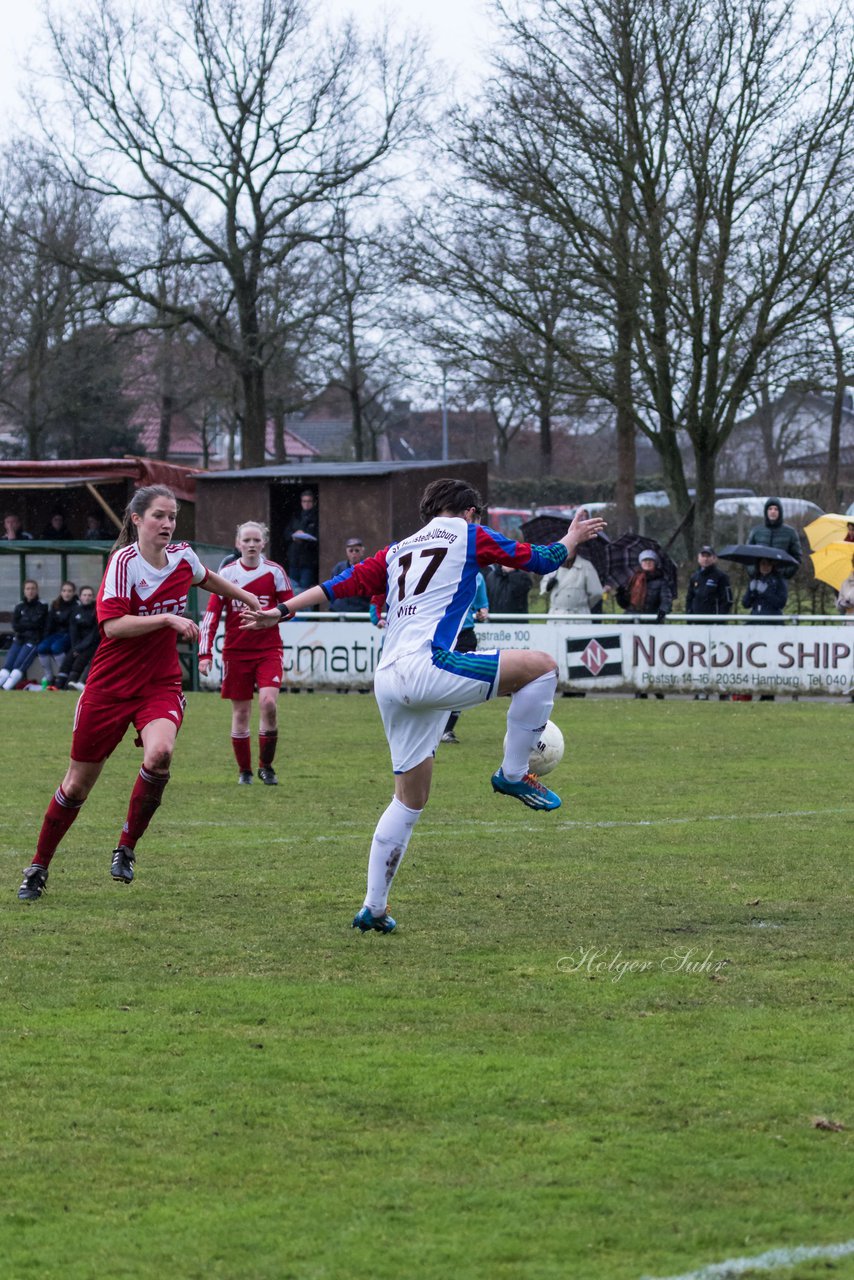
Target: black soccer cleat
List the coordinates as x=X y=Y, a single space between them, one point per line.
x=33 y=884
x=245 y=779
x=121 y=868
x=268 y=776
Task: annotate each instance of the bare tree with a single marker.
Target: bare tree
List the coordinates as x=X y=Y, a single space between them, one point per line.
x=690 y=153
x=243 y=120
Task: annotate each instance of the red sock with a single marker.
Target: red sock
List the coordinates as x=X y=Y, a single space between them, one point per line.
x=60 y=814
x=267 y=748
x=144 y=800
x=242 y=752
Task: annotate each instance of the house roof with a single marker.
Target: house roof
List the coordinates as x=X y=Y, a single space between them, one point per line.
x=182 y=480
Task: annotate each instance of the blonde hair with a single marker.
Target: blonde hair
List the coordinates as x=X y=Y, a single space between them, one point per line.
x=257 y=524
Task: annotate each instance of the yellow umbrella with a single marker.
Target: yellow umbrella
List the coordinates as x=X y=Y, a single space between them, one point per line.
x=827 y=528
x=834 y=562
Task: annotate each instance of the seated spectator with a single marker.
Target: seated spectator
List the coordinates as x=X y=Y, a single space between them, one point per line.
x=29 y=619
x=84 y=636
x=354 y=550
x=94 y=531
x=12 y=530
x=507 y=589
x=573 y=588
x=56 y=637
x=56 y=528
x=647 y=591
x=766 y=593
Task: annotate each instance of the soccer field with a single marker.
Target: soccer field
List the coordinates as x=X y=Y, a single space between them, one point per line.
x=596 y=1048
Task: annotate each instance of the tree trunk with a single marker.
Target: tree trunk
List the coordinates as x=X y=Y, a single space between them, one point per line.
x=254 y=416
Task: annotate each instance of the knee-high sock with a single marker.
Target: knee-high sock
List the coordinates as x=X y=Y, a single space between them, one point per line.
x=59 y=816
x=267 y=747
x=242 y=746
x=530 y=708
x=144 y=801
x=387 y=849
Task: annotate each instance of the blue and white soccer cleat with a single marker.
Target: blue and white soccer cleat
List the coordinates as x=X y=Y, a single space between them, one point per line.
x=528 y=789
x=365 y=920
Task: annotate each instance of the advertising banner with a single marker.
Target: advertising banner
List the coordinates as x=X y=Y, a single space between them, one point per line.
x=606 y=655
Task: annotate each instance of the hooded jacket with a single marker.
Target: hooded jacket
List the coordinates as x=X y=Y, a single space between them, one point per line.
x=776 y=534
x=29 y=619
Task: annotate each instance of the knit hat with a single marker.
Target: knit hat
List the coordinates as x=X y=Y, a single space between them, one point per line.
x=647 y=555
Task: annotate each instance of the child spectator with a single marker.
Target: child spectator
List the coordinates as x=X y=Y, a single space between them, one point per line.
x=83 y=634
x=28 y=625
x=56 y=638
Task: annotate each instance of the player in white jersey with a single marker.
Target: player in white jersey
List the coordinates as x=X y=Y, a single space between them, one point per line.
x=251 y=659
x=429 y=582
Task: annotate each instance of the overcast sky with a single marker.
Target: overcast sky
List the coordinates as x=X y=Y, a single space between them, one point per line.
x=459 y=30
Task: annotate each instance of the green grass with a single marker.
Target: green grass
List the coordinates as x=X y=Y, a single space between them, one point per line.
x=209 y=1074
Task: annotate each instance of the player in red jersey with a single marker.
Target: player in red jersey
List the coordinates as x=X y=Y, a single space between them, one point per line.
x=135 y=676
x=251 y=659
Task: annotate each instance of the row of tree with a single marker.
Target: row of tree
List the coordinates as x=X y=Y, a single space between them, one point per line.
x=649 y=222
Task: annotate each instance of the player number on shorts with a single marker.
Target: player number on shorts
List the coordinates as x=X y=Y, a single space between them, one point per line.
x=435 y=557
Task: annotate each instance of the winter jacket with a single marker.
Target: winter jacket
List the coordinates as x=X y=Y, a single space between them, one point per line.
x=576 y=589
x=709 y=591
x=59 y=617
x=779 y=535
x=766 y=595
x=845 y=599
x=302 y=552
x=348 y=604
x=507 y=592
x=83 y=628
x=658 y=597
x=29 y=619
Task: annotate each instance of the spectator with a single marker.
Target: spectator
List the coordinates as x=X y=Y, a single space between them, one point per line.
x=773 y=533
x=467 y=643
x=573 y=588
x=845 y=599
x=301 y=535
x=709 y=589
x=12 y=530
x=647 y=591
x=94 y=532
x=354 y=550
x=83 y=634
x=28 y=624
x=57 y=639
x=56 y=528
x=507 y=589
x=849 y=536
x=767 y=593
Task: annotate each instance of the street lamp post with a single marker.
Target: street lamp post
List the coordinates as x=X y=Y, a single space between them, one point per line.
x=444 y=414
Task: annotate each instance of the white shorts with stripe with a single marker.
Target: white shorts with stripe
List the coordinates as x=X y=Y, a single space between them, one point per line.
x=416 y=691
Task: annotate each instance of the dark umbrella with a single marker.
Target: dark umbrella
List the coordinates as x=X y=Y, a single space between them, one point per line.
x=749 y=554
x=623 y=560
x=545 y=529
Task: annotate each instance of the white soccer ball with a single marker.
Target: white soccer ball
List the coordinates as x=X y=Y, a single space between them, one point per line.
x=548 y=751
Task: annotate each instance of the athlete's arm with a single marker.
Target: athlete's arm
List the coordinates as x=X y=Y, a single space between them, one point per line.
x=129 y=626
x=222 y=586
x=256 y=619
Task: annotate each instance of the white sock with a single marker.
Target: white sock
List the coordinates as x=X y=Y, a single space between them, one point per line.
x=4 y=676
x=14 y=677
x=530 y=708
x=387 y=849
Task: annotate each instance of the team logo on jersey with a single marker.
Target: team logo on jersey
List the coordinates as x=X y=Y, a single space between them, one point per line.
x=590 y=656
x=164 y=606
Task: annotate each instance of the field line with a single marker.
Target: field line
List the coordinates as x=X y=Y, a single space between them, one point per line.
x=773 y=1260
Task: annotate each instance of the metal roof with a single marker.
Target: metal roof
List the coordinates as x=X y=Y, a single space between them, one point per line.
x=326 y=470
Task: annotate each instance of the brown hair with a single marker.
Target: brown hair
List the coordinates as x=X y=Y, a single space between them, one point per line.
x=138 y=505
x=455 y=496
x=58 y=602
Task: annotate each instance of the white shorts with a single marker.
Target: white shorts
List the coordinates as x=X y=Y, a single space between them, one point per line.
x=416 y=691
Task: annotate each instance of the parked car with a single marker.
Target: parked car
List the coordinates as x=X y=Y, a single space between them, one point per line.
x=508 y=520
x=797 y=509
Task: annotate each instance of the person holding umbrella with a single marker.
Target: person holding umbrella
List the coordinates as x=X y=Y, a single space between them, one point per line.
x=766 y=593
x=845 y=599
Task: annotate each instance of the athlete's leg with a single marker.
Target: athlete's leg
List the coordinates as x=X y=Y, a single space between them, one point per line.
x=63 y=809
x=241 y=743
x=531 y=680
x=393 y=832
x=158 y=743
x=268 y=728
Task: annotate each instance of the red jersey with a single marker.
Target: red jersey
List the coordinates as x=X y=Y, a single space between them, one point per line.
x=271 y=585
x=132 y=586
